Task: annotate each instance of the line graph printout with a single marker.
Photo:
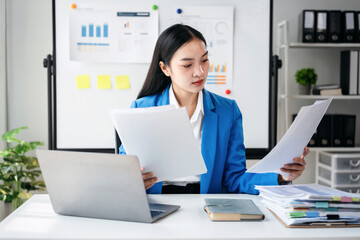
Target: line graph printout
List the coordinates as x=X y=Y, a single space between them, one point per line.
x=216 y=24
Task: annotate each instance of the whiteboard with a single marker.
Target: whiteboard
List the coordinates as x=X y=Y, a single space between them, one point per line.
x=81 y=116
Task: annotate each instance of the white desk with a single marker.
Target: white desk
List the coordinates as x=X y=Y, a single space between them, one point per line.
x=36 y=219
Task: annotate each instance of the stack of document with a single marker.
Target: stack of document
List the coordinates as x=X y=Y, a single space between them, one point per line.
x=311 y=205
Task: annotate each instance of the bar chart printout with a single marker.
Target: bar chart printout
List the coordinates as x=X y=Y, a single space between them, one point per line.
x=113 y=33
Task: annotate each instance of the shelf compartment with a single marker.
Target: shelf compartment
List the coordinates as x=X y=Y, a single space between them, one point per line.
x=325 y=45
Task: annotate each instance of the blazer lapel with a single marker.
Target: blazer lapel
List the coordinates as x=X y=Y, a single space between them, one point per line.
x=163 y=97
x=208 y=141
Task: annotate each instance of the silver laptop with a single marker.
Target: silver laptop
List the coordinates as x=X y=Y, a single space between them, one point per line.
x=98 y=185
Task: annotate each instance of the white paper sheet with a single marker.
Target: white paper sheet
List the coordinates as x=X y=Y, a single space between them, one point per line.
x=303 y=192
x=295 y=139
x=163 y=140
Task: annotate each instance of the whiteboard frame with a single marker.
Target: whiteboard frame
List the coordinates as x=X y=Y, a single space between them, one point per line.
x=251 y=153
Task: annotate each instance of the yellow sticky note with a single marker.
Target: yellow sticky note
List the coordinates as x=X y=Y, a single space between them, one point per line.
x=336 y=199
x=82 y=81
x=104 y=82
x=122 y=82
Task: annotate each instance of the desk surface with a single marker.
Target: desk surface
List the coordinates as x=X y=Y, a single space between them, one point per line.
x=36 y=219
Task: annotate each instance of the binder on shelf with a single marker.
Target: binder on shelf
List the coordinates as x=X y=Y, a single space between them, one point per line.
x=349 y=72
x=334 y=130
x=324 y=131
x=321 y=32
x=314 y=139
x=337 y=124
x=334 y=26
x=358 y=76
x=357 y=32
x=349 y=130
x=348 y=26
x=308 y=26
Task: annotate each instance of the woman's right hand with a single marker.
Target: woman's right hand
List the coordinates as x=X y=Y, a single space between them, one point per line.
x=149 y=179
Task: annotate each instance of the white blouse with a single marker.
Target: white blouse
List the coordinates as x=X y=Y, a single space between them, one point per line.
x=196 y=121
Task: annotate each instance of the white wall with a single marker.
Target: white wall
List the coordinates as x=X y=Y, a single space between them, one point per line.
x=3 y=115
x=3 y=212
x=29 y=40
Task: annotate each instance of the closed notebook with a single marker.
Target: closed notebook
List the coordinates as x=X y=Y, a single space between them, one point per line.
x=232 y=209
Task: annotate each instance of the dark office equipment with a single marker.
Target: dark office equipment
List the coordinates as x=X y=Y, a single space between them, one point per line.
x=321 y=32
x=349 y=72
x=324 y=131
x=337 y=125
x=307 y=19
x=349 y=130
x=348 y=26
x=334 y=26
x=357 y=32
x=314 y=139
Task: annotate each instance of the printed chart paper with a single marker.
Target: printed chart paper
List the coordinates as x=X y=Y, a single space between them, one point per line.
x=113 y=33
x=217 y=26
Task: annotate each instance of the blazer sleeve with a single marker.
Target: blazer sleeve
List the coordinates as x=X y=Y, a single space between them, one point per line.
x=236 y=179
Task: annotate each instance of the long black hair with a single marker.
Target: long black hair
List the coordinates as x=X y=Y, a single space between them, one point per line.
x=169 y=41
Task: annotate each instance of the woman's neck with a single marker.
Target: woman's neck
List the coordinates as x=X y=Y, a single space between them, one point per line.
x=186 y=99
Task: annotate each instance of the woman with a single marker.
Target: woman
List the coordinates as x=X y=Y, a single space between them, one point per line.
x=177 y=75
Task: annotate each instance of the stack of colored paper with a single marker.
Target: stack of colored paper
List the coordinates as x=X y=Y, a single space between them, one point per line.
x=311 y=205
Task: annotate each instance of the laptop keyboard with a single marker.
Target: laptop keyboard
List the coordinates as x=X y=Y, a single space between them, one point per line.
x=154 y=213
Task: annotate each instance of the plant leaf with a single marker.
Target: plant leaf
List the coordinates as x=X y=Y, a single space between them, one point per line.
x=33 y=145
x=10 y=135
x=24 y=195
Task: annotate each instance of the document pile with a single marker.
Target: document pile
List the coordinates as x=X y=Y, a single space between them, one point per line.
x=311 y=205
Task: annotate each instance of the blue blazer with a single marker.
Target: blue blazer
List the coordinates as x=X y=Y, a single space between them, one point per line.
x=222 y=146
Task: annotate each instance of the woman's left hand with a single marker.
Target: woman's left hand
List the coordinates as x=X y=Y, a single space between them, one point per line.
x=295 y=169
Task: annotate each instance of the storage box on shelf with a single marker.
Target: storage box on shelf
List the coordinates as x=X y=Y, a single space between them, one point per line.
x=339 y=170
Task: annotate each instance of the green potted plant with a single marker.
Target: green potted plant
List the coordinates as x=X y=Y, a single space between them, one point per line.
x=18 y=172
x=305 y=77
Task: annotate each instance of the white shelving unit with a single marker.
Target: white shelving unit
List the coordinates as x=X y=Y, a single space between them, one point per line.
x=283 y=48
x=339 y=170
x=285 y=96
